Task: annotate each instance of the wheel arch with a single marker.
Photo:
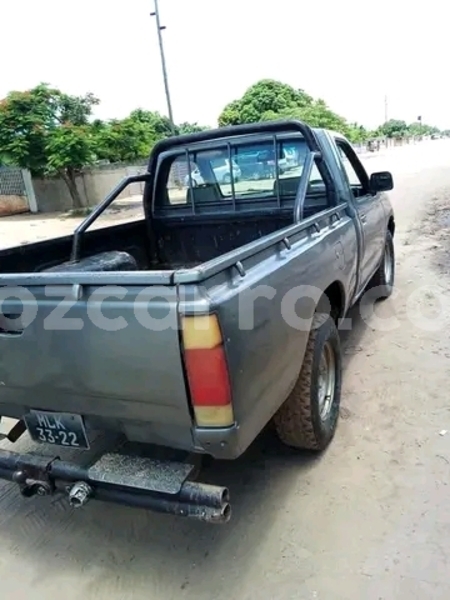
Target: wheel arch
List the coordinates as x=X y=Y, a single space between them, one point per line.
x=333 y=301
x=391 y=225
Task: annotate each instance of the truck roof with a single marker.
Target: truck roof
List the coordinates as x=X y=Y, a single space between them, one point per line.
x=286 y=128
x=231 y=132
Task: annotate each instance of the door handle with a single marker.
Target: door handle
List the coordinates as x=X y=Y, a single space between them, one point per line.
x=363 y=218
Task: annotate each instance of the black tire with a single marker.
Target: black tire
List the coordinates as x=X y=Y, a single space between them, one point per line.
x=298 y=422
x=382 y=283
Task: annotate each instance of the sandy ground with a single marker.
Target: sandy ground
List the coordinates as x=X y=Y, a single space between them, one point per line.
x=22 y=229
x=369 y=520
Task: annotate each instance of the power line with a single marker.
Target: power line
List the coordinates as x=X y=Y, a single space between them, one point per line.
x=159 y=29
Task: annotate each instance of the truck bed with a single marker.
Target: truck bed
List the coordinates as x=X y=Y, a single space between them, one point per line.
x=173 y=244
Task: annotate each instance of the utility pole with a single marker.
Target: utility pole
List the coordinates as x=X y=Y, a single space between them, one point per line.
x=386 y=109
x=159 y=29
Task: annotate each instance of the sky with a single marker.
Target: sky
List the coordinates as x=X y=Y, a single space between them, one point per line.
x=351 y=53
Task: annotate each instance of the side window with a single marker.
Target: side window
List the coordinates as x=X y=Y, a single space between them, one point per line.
x=355 y=179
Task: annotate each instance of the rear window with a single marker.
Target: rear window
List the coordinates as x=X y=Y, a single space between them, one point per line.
x=238 y=174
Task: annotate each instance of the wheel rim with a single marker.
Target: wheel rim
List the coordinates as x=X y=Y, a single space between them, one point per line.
x=327 y=381
x=387 y=264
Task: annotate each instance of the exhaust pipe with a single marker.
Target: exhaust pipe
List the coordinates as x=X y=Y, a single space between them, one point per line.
x=79 y=494
x=199 y=512
x=193 y=492
x=200 y=502
x=217 y=516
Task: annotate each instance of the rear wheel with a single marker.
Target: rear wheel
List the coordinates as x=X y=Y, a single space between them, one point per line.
x=382 y=283
x=309 y=417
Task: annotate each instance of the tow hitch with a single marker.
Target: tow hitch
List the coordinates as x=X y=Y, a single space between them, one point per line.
x=30 y=485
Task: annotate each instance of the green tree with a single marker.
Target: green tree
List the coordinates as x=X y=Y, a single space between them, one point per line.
x=269 y=100
x=394 y=128
x=358 y=134
x=132 y=138
x=420 y=129
x=190 y=128
x=122 y=140
x=263 y=100
x=158 y=124
x=48 y=132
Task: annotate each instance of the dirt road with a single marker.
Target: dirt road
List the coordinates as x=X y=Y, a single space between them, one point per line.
x=368 y=520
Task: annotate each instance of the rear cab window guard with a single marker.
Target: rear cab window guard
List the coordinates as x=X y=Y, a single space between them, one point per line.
x=244 y=173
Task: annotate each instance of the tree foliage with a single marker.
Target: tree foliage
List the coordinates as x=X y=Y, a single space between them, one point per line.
x=132 y=138
x=395 y=128
x=48 y=132
x=270 y=100
x=262 y=101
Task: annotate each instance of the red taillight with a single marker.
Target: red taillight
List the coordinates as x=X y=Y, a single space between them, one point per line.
x=207 y=371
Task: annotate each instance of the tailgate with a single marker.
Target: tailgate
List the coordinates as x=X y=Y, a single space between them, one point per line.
x=102 y=351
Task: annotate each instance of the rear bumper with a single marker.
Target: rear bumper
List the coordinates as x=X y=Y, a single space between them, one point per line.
x=160 y=486
x=226 y=443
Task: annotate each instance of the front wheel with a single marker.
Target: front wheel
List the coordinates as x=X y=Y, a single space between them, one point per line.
x=382 y=283
x=309 y=417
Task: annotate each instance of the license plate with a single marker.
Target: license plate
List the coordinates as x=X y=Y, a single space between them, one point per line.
x=59 y=429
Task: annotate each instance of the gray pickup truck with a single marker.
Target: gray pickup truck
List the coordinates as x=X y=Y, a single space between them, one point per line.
x=183 y=335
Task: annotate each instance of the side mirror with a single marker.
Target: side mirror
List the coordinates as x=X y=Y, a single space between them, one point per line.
x=381 y=182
